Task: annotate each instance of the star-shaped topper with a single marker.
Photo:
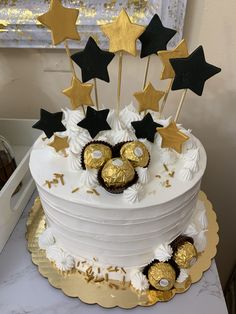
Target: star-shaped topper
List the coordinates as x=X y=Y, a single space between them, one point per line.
x=122 y=34
x=50 y=123
x=79 y=93
x=155 y=37
x=146 y=128
x=180 y=51
x=61 y=21
x=93 y=61
x=149 y=98
x=95 y=121
x=59 y=143
x=192 y=72
x=172 y=137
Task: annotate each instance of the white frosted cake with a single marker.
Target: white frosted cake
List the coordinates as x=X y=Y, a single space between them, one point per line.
x=123 y=235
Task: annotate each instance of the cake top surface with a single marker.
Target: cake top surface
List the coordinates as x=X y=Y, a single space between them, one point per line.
x=168 y=175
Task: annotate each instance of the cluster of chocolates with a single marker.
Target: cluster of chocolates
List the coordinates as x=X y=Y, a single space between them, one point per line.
x=117 y=164
x=162 y=275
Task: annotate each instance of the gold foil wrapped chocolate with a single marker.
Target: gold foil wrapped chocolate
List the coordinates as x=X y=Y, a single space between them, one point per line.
x=186 y=255
x=96 y=155
x=161 y=276
x=117 y=172
x=136 y=152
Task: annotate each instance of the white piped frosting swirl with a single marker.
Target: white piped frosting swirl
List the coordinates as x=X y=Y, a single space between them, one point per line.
x=139 y=281
x=46 y=239
x=133 y=194
x=88 y=178
x=168 y=156
x=185 y=174
x=143 y=174
x=163 y=252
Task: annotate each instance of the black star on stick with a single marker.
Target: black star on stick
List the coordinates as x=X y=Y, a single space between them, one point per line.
x=95 y=121
x=93 y=61
x=193 y=71
x=50 y=122
x=155 y=37
x=146 y=128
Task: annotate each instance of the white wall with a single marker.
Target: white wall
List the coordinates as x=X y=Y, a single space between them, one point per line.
x=28 y=82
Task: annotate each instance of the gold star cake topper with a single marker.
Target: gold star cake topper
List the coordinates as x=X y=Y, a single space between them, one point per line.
x=149 y=98
x=59 y=143
x=79 y=93
x=122 y=34
x=61 y=21
x=172 y=137
x=180 y=51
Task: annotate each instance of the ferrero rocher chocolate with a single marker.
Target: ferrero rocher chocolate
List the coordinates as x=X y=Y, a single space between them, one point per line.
x=161 y=276
x=117 y=172
x=186 y=255
x=136 y=152
x=96 y=155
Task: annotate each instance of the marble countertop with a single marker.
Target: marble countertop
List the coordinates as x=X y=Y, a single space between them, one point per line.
x=23 y=290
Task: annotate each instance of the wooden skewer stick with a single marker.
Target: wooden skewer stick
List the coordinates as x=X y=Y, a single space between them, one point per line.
x=146 y=71
x=180 y=104
x=71 y=65
x=119 y=82
x=145 y=77
x=96 y=93
x=166 y=96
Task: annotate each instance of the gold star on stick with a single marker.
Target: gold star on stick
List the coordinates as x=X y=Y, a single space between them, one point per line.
x=180 y=51
x=123 y=34
x=79 y=93
x=61 y=21
x=59 y=143
x=149 y=98
x=172 y=137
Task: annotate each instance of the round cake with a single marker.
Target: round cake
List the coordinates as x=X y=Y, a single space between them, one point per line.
x=119 y=228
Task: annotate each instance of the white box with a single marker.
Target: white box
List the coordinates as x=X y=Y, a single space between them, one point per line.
x=21 y=136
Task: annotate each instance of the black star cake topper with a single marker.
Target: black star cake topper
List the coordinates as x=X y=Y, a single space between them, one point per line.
x=193 y=71
x=146 y=128
x=50 y=122
x=155 y=37
x=95 y=121
x=93 y=61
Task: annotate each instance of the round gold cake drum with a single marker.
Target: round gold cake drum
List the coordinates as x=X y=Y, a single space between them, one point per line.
x=113 y=293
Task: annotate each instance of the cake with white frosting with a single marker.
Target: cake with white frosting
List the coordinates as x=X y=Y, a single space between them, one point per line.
x=129 y=234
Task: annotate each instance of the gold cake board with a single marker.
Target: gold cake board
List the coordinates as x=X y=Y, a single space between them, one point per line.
x=113 y=293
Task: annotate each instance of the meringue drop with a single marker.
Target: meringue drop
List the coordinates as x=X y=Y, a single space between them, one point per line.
x=168 y=156
x=185 y=174
x=183 y=275
x=88 y=178
x=143 y=174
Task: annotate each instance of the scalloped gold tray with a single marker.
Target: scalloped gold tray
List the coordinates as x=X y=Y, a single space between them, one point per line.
x=105 y=294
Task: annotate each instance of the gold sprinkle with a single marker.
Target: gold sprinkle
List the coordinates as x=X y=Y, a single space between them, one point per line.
x=44 y=138
x=54 y=181
x=95 y=259
x=48 y=183
x=123 y=280
x=123 y=270
x=171 y=174
x=96 y=192
x=83 y=262
x=62 y=180
x=78 y=263
x=99 y=279
x=75 y=190
x=99 y=270
x=109 y=268
x=89 y=192
x=158 y=176
x=79 y=271
x=88 y=270
x=89 y=278
x=112 y=285
x=166 y=168
x=106 y=276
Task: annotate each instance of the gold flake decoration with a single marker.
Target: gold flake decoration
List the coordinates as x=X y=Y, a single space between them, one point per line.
x=149 y=98
x=122 y=34
x=73 y=283
x=180 y=51
x=79 y=93
x=61 y=21
x=172 y=137
x=59 y=143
